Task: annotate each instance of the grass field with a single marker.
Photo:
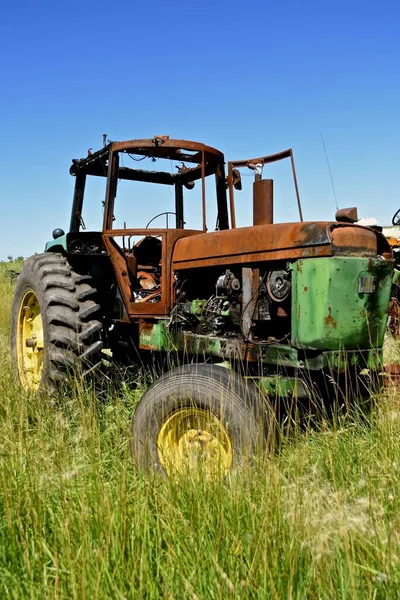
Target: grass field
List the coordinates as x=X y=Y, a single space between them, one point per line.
x=320 y=519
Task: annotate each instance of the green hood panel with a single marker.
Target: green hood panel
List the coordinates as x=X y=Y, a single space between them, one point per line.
x=60 y=242
x=340 y=302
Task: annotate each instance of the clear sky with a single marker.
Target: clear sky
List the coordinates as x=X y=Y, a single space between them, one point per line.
x=249 y=78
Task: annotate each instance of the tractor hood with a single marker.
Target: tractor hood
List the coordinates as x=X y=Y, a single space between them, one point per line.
x=280 y=241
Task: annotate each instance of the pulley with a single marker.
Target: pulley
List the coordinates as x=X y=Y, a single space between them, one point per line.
x=278 y=285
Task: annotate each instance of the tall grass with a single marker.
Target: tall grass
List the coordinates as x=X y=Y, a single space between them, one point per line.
x=318 y=519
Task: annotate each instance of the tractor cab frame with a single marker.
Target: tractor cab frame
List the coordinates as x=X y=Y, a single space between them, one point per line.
x=204 y=161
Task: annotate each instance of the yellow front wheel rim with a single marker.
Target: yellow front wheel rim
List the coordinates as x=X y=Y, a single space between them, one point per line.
x=30 y=343
x=196 y=441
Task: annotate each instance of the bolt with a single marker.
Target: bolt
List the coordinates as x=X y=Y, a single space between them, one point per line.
x=31 y=342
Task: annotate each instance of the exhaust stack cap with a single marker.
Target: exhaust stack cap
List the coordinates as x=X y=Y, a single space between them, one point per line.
x=347 y=215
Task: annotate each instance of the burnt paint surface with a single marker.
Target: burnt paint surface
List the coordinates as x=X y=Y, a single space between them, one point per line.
x=280 y=241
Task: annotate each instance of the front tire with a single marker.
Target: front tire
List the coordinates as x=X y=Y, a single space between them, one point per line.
x=56 y=323
x=201 y=419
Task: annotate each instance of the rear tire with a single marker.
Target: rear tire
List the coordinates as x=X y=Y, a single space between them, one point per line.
x=198 y=417
x=56 y=324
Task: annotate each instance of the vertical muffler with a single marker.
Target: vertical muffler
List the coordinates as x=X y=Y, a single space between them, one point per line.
x=263 y=197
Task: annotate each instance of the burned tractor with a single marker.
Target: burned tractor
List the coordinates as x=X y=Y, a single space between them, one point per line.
x=234 y=318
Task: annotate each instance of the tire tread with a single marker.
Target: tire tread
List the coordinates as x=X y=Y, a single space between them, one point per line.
x=72 y=320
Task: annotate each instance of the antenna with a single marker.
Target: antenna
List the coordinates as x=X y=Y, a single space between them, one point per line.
x=330 y=172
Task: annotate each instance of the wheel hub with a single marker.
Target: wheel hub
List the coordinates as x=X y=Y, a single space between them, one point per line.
x=195 y=440
x=30 y=343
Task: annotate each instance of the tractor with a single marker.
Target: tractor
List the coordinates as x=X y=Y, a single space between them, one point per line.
x=232 y=320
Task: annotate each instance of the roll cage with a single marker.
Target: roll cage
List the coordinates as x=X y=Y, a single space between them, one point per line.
x=203 y=160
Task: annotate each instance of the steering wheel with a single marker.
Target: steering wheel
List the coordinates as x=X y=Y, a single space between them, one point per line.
x=396 y=219
x=160 y=215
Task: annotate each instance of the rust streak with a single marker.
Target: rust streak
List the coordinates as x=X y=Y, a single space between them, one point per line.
x=329 y=320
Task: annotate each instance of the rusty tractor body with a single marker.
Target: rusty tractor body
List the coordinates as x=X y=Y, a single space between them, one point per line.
x=284 y=307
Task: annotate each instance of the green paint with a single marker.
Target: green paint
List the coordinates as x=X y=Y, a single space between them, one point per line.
x=157 y=337
x=342 y=360
x=331 y=308
x=396 y=276
x=226 y=309
x=197 y=309
x=280 y=354
x=286 y=356
x=282 y=387
x=203 y=345
x=59 y=243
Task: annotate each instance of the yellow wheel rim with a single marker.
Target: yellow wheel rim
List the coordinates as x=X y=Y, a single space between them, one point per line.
x=194 y=440
x=30 y=344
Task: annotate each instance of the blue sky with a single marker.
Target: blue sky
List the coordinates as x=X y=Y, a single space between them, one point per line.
x=250 y=78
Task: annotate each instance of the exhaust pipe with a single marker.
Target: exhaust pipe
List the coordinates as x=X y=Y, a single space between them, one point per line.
x=263 y=201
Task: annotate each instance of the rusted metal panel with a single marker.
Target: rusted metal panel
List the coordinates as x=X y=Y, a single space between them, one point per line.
x=111 y=190
x=254 y=244
x=120 y=268
x=164 y=147
x=169 y=238
x=354 y=238
x=203 y=191
x=280 y=241
x=347 y=215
